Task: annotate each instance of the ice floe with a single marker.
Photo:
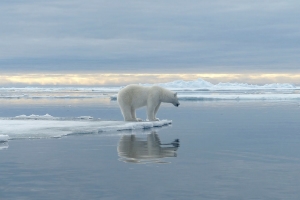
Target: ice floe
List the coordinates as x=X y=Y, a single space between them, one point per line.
x=47 y=126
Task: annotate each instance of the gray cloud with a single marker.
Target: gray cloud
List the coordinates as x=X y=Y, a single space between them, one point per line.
x=134 y=36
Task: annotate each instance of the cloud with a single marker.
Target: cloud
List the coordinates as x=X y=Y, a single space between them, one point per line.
x=144 y=36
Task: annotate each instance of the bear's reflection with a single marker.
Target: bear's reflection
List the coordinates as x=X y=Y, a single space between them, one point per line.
x=144 y=150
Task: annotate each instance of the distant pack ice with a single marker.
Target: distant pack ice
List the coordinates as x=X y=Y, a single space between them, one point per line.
x=199 y=90
x=201 y=84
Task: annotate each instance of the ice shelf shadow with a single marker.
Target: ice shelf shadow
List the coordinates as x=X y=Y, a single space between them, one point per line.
x=132 y=149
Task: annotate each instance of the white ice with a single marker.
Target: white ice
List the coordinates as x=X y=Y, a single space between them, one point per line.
x=266 y=97
x=201 y=84
x=48 y=126
x=59 y=89
x=56 y=92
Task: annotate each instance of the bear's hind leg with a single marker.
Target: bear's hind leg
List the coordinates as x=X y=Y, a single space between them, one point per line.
x=134 y=115
x=126 y=111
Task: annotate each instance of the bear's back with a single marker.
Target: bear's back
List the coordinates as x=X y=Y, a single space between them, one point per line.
x=134 y=95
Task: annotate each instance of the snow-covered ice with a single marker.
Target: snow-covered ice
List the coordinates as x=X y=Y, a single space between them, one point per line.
x=47 y=126
x=56 y=92
x=201 y=84
x=201 y=90
x=266 y=97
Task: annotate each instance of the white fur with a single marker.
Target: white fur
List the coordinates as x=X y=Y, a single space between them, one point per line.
x=135 y=96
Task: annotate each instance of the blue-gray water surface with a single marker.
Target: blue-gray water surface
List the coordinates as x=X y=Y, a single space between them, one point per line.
x=213 y=150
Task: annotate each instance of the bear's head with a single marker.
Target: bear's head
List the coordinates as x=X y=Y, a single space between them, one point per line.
x=175 y=101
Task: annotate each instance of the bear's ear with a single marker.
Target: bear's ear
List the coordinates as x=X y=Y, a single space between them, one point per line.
x=175 y=95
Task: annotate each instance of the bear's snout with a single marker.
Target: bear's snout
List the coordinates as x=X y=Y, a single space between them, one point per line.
x=177 y=104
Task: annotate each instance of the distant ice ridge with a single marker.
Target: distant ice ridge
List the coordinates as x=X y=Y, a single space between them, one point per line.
x=56 y=92
x=198 y=84
x=30 y=96
x=60 y=89
x=238 y=97
x=201 y=84
x=48 y=126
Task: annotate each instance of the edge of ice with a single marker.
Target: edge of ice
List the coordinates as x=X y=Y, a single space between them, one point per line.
x=16 y=128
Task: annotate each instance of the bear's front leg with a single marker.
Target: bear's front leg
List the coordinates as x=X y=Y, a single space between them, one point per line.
x=150 y=113
x=155 y=111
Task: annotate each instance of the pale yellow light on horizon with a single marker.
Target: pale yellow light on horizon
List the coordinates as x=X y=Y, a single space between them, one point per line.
x=99 y=79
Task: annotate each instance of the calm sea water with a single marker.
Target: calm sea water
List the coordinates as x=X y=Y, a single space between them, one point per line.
x=213 y=150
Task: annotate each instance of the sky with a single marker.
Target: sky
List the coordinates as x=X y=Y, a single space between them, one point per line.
x=47 y=42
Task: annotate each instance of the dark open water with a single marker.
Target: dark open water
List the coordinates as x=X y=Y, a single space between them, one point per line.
x=227 y=150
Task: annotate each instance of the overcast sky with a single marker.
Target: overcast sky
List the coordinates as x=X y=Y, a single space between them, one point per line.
x=170 y=36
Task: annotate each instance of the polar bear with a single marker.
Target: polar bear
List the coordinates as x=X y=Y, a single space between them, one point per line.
x=135 y=96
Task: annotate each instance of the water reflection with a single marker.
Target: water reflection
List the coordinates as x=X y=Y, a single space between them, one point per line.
x=133 y=149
